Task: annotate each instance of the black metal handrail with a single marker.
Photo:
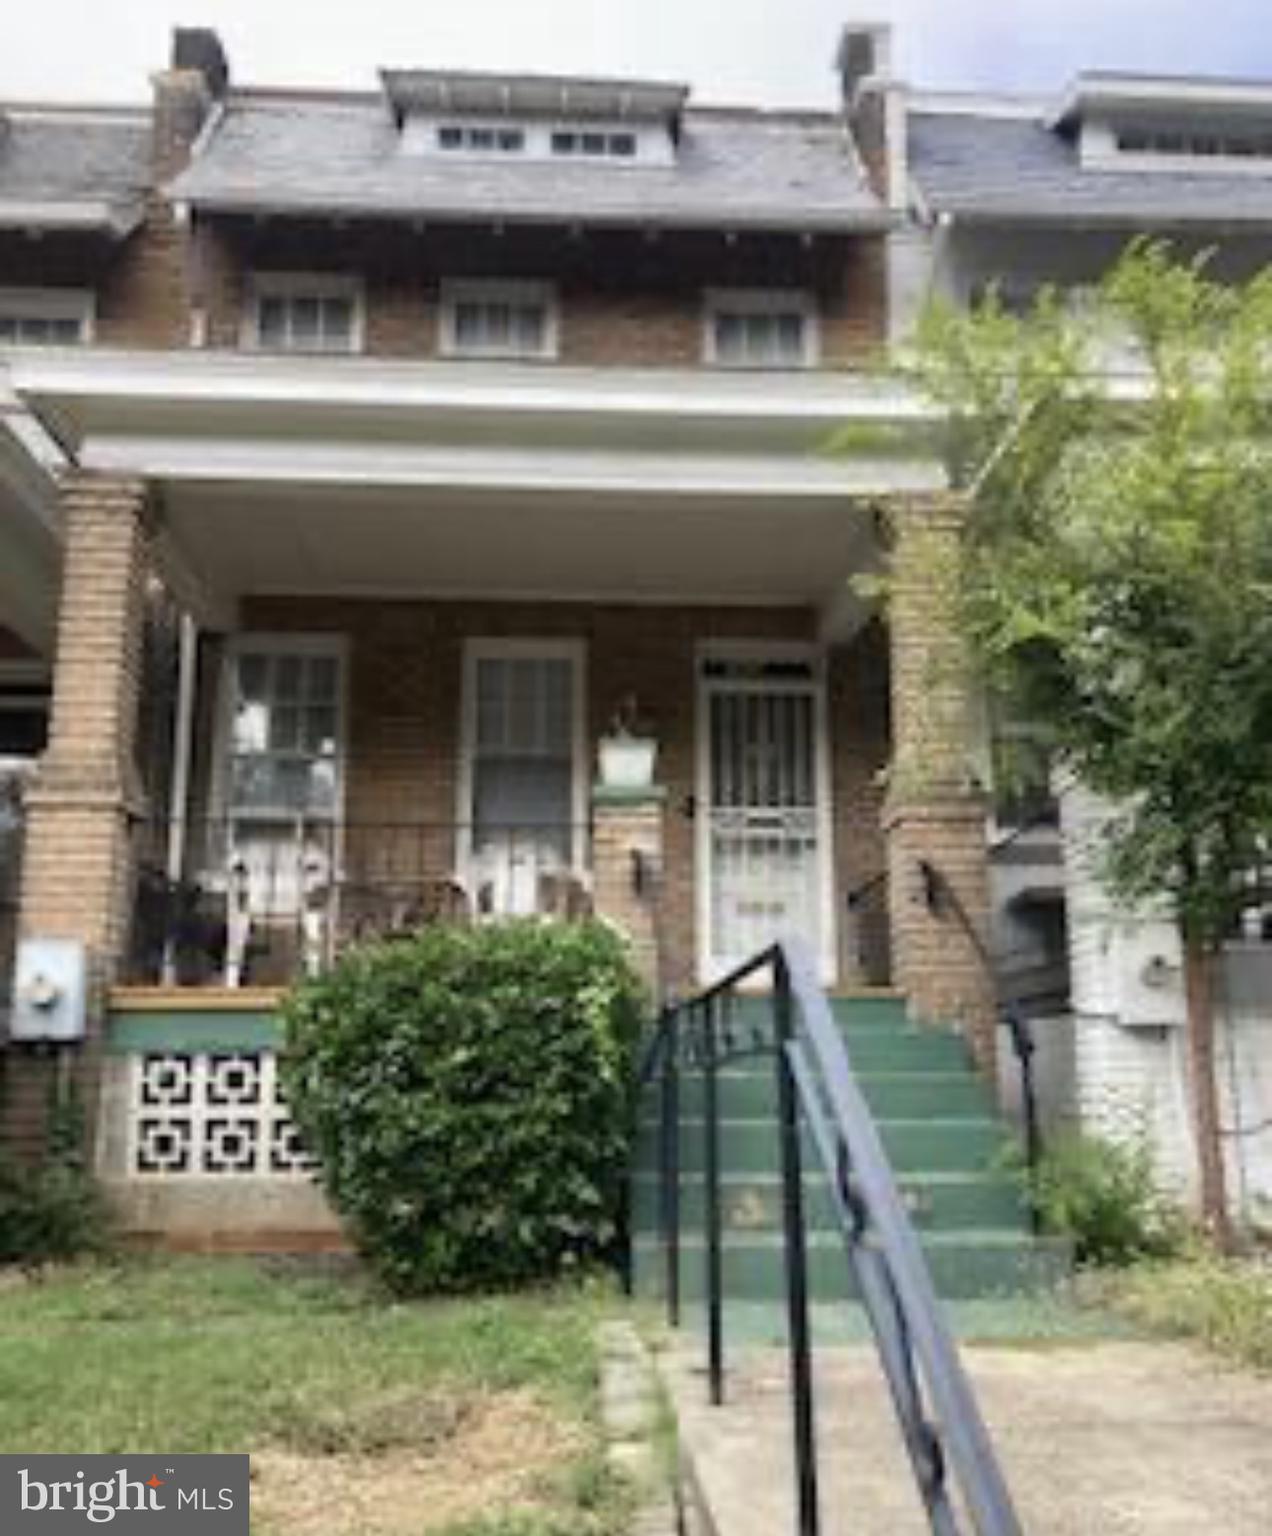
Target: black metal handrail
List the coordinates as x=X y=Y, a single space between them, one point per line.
x=940 y=896
x=941 y=1424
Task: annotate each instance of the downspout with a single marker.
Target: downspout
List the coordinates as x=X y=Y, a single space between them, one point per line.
x=179 y=798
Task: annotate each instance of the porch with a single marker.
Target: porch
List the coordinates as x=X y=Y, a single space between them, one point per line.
x=339 y=642
x=352 y=768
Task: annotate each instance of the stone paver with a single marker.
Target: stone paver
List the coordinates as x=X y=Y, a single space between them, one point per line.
x=1097 y=1439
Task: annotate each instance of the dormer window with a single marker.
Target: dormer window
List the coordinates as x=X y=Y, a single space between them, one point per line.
x=1194 y=144
x=454 y=113
x=594 y=145
x=481 y=140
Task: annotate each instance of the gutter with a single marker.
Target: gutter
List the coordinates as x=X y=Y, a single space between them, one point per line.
x=114 y=219
x=880 y=221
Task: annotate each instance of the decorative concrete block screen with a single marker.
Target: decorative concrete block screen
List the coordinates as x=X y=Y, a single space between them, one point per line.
x=211 y=1114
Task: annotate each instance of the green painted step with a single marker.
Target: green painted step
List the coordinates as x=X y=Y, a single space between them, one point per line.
x=852 y=1010
x=914 y=1146
x=937 y=1202
x=885 y=1050
x=963 y=1264
x=940 y=1130
x=744 y=1094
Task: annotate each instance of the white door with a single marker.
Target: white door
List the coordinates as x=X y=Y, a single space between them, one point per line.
x=762 y=837
x=522 y=829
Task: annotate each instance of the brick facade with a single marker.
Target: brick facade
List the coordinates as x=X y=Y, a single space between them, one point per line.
x=405 y=678
x=624 y=299
x=76 y=876
x=627 y=869
x=935 y=813
x=405 y=690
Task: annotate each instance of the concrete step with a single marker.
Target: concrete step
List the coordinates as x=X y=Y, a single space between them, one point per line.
x=963 y=1265
x=937 y=1202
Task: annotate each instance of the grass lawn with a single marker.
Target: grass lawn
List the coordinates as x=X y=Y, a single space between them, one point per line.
x=362 y=1415
x=1225 y=1304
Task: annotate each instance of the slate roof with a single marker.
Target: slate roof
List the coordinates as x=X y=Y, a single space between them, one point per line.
x=1000 y=169
x=735 y=169
x=64 y=168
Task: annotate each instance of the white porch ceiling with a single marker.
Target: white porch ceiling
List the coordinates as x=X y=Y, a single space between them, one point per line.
x=376 y=541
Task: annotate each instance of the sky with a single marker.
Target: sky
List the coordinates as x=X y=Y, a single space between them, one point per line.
x=771 y=52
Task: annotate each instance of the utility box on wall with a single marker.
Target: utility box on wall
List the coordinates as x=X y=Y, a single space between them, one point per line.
x=50 y=992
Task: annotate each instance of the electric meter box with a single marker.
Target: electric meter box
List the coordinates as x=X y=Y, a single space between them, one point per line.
x=50 y=992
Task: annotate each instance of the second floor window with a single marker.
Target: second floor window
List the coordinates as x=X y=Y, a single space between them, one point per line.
x=298 y=313
x=760 y=329
x=498 y=319
x=45 y=317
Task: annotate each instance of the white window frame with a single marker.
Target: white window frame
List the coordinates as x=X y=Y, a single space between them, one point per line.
x=479 y=649
x=302 y=285
x=277 y=643
x=760 y=301
x=464 y=290
x=79 y=304
x=467 y=127
x=607 y=154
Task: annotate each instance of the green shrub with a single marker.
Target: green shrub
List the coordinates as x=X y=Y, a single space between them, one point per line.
x=468 y=1092
x=52 y=1210
x=1104 y=1195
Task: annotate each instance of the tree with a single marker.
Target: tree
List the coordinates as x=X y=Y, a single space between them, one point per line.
x=1117 y=580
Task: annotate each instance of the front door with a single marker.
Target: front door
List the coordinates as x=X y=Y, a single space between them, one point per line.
x=763 y=858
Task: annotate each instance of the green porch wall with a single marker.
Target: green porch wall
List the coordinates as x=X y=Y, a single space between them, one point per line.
x=141 y=1031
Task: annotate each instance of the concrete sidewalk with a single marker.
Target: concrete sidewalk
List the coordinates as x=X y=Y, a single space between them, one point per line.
x=1096 y=1439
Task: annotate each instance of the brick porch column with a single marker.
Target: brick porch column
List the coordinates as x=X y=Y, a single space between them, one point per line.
x=76 y=873
x=934 y=816
x=627 y=871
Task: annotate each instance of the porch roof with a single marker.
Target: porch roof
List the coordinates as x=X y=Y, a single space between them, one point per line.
x=30 y=529
x=361 y=476
x=198 y=416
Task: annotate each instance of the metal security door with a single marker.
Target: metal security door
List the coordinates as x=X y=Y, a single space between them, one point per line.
x=762 y=799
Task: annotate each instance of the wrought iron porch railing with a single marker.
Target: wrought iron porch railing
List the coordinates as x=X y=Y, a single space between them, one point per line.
x=950 y=1452
x=261 y=901
x=869 y=932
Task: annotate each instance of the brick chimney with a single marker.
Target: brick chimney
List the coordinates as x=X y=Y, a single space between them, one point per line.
x=198 y=76
x=874 y=107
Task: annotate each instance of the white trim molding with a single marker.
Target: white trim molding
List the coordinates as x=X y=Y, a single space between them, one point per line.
x=276 y=419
